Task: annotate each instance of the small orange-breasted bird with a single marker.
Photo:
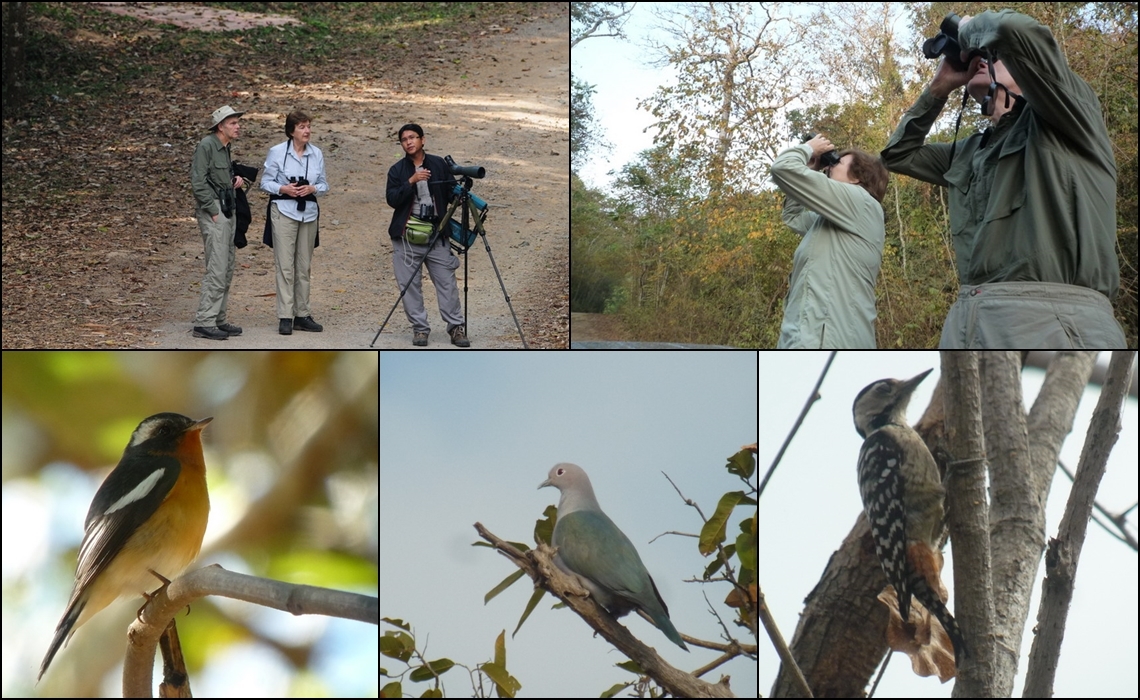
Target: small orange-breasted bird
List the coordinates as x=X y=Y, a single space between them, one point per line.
x=150 y=513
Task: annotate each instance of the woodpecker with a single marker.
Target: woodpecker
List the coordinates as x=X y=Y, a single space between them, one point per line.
x=903 y=498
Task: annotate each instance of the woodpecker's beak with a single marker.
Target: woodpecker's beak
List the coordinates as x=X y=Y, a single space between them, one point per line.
x=911 y=384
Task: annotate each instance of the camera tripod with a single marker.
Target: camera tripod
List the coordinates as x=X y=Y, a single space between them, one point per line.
x=463 y=202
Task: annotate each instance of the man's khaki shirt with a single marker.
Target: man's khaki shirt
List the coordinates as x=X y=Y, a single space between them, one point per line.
x=211 y=166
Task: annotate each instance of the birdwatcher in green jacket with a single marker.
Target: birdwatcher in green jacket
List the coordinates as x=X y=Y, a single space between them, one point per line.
x=213 y=181
x=1032 y=198
x=838 y=211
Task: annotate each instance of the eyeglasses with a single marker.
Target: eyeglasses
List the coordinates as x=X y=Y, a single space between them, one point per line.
x=410 y=138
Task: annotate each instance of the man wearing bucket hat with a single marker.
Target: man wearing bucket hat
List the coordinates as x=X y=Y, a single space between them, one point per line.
x=213 y=182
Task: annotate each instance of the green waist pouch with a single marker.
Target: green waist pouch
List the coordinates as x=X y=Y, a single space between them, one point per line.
x=417 y=231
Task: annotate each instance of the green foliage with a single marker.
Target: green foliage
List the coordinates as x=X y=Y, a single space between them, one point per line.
x=584 y=129
x=706 y=272
x=598 y=259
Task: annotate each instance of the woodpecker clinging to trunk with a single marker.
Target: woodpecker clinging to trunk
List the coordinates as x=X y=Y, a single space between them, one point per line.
x=903 y=498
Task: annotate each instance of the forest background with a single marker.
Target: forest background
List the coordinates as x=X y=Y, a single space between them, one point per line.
x=687 y=244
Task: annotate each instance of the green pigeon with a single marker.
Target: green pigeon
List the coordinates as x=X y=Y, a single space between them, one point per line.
x=599 y=555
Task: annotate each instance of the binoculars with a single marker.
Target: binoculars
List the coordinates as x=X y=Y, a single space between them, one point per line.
x=300 y=182
x=826 y=160
x=945 y=43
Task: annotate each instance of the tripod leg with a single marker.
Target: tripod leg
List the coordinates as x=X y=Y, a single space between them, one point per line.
x=466 y=275
x=385 y=323
x=487 y=246
x=419 y=267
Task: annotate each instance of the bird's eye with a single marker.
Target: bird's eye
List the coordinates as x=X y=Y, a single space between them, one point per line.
x=561 y=472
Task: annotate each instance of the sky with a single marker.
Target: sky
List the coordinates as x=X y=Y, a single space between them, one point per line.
x=618 y=70
x=470 y=442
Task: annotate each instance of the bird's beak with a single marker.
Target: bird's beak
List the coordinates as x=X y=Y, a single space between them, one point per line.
x=200 y=424
x=912 y=383
x=545 y=483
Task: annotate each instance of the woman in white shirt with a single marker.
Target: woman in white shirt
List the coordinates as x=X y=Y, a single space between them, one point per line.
x=294 y=176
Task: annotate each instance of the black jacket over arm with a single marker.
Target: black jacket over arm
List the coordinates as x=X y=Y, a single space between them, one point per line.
x=400 y=194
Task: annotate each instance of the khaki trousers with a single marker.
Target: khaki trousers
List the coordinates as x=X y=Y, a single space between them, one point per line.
x=1031 y=316
x=293 y=251
x=218 y=239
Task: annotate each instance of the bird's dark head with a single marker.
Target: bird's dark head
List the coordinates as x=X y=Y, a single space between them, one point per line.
x=883 y=402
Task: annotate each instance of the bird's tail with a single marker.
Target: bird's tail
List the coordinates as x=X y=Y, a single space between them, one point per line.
x=63 y=632
x=666 y=625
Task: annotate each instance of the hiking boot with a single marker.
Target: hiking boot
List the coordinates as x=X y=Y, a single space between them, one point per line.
x=459 y=337
x=420 y=340
x=307 y=323
x=229 y=329
x=210 y=332
x=285 y=326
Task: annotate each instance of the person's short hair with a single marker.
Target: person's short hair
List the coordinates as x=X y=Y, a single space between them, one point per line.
x=869 y=170
x=410 y=127
x=295 y=117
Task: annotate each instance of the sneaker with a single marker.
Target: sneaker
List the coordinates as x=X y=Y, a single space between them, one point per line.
x=420 y=340
x=211 y=332
x=459 y=337
x=285 y=326
x=306 y=323
x=229 y=329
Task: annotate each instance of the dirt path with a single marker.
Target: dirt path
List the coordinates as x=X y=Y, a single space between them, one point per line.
x=605 y=332
x=596 y=327
x=495 y=96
